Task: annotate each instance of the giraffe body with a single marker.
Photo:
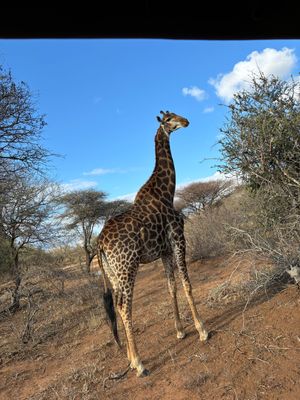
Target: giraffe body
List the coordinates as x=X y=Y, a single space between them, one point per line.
x=151 y=229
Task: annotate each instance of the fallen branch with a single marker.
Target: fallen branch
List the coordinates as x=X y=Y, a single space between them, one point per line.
x=116 y=376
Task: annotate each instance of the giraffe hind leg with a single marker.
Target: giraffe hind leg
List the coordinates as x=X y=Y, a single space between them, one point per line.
x=178 y=245
x=132 y=352
x=199 y=325
x=169 y=269
x=124 y=297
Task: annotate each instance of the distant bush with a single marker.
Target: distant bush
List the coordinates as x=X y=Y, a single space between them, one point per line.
x=70 y=254
x=208 y=232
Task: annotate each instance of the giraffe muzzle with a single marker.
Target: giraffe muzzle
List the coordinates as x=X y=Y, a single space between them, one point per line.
x=185 y=122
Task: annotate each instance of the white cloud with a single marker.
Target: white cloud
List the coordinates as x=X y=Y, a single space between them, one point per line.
x=78 y=184
x=101 y=171
x=129 y=197
x=194 y=91
x=105 y=171
x=215 y=176
x=208 y=110
x=297 y=90
x=269 y=61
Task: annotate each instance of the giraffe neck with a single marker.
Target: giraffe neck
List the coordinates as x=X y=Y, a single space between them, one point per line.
x=161 y=184
x=164 y=165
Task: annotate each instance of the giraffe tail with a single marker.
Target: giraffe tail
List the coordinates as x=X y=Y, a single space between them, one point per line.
x=110 y=312
x=109 y=302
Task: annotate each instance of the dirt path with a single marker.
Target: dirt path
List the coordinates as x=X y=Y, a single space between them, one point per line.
x=251 y=355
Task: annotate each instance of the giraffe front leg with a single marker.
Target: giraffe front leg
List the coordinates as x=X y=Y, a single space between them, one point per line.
x=179 y=254
x=169 y=269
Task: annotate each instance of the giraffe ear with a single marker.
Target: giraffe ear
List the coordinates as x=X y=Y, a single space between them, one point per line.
x=158 y=119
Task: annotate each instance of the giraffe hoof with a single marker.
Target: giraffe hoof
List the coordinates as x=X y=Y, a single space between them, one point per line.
x=204 y=336
x=144 y=373
x=181 y=335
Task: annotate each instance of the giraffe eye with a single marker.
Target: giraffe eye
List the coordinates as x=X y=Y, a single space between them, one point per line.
x=168 y=119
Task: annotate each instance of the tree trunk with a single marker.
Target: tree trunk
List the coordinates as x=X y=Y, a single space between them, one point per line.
x=88 y=259
x=17 y=278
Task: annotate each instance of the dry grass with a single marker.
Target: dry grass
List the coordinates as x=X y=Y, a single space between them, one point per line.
x=80 y=383
x=197 y=381
x=51 y=310
x=242 y=286
x=207 y=231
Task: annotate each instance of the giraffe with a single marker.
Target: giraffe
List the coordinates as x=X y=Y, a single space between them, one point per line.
x=150 y=230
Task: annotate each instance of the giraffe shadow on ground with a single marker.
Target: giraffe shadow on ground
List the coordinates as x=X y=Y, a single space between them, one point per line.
x=215 y=325
x=169 y=353
x=229 y=314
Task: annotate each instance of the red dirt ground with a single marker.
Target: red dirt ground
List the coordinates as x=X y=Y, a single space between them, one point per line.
x=252 y=354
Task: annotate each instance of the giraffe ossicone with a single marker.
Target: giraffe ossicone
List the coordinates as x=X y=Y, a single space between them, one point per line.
x=150 y=230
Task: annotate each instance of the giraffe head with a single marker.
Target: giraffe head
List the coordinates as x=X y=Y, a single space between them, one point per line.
x=171 y=122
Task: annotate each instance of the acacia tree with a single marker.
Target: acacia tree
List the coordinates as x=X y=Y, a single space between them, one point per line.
x=21 y=151
x=261 y=142
x=20 y=129
x=83 y=211
x=26 y=211
x=115 y=207
x=197 y=196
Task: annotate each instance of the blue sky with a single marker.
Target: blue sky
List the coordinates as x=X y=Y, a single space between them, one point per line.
x=101 y=98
